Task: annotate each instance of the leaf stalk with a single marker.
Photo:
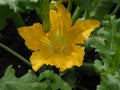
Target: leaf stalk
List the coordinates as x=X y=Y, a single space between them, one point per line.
x=15 y=54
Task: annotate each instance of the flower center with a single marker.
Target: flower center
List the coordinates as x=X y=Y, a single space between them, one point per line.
x=58 y=47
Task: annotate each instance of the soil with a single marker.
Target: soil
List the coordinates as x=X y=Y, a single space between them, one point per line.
x=11 y=38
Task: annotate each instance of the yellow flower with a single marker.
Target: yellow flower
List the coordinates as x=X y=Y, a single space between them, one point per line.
x=57 y=47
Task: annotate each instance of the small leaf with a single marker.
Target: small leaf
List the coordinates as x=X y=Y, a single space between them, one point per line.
x=26 y=82
x=19 y=5
x=84 y=4
x=46 y=81
x=12 y=9
x=70 y=77
x=55 y=82
x=111 y=81
x=109 y=51
x=103 y=8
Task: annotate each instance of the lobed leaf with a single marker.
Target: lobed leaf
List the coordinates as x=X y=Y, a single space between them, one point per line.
x=13 y=8
x=54 y=81
x=106 y=43
x=84 y=4
x=19 y=5
x=102 y=8
x=110 y=81
x=46 y=81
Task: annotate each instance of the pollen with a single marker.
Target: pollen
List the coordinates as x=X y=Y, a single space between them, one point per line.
x=58 y=47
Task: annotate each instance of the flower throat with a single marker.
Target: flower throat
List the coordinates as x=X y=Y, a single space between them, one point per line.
x=58 y=47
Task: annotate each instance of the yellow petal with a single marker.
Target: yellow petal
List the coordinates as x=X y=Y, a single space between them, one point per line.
x=65 y=15
x=60 y=20
x=37 y=59
x=81 y=26
x=73 y=56
x=82 y=29
x=56 y=28
x=34 y=36
x=87 y=26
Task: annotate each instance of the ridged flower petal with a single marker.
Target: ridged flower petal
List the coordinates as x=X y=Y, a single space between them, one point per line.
x=60 y=20
x=82 y=28
x=65 y=15
x=73 y=56
x=34 y=36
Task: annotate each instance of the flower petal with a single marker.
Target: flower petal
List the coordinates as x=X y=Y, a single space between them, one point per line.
x=34 y=36
x=74 y=56
x=60 y=21
x=89 y=25
x=56 y=28
x=37 y=59
x=41 y=57
x=82 y=29
x=65 y=15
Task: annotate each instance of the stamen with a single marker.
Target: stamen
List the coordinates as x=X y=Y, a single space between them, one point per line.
x=58 y=47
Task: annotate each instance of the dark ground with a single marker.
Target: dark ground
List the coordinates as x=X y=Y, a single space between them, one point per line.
x=11 y=38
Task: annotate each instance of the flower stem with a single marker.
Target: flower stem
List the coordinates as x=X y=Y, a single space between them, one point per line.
x=88 y=67
x=15 y=54
x=76 y=13
x=116 y=9
x=69 y=7
x=46 y=18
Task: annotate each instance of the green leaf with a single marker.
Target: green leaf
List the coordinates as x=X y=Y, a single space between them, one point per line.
x=98 y=66
x=84 y=4
x=106 y=43
x=54 y=81
x=110 y=81
x=6 y=14
x=102 y=8
x=27 y=82
x=12 y=9
x=17 y=20
x=69 y=76
x=39 y=10
x=118 y=1
x=46 y=81
x=19 y=5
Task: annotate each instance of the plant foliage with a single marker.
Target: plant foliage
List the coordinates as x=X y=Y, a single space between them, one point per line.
x=106 y=43
x=47 y=80
x=105 y=40
x=13 y=8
